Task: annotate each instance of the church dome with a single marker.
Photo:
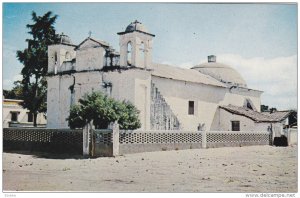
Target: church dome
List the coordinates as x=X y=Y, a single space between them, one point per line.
x=65 y=39
x=136 y=25
x=221 y=72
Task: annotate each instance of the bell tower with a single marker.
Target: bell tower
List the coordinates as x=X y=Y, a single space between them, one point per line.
x=60 y=53
x=136 y=46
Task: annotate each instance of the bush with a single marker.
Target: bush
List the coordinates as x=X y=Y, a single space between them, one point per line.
x=103 y=110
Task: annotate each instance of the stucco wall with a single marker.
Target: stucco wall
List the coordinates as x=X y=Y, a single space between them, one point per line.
x=139 y=58
x=61 y=51
x=223 y=122
x=129 y=85
x=237 y=97
x=178 y=93
x=22 y=116
x=58 y=101
x=134 y=86
x=207 y=99
x=89 y=58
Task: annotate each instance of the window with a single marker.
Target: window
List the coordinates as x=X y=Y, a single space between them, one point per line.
x=129 y=49
x=249 y=104
x=55 y=57
x=142 y=54
x=235 y=125
x=14 y=116
x=191 y=107
x=68 y=56
x=30 y=117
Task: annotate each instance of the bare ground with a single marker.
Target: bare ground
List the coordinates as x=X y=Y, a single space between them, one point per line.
x=235 y=169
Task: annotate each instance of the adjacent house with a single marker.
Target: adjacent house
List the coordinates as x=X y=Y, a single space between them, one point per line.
x=14 y=115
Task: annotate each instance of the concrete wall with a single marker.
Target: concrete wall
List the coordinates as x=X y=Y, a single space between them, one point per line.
x=293 y=136
x=139 y=58
x=63 y=53
x=223 y=118
x=134 y=86
x=129 y=85
x=144 y=141
x=237 y=96
x=90 y=56
x=22 y=116
x=207 y=99
x=58 y=100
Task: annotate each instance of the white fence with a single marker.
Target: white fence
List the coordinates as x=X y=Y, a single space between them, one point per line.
x=124 y=142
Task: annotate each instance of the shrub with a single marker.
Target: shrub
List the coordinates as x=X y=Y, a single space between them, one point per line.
x=103 y=110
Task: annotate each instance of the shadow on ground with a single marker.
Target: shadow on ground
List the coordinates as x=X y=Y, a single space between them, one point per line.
x=47 y=155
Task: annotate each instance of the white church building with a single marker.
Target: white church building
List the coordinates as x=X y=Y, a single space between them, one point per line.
x=210 y=96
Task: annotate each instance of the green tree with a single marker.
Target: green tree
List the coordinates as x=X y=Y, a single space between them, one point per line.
x=15 y=93
x=35 y=63
x=103 y=110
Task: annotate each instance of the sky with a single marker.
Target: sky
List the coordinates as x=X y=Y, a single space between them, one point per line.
x=258 y=40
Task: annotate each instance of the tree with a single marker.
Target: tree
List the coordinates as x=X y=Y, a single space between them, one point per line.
x=15 y=93
x=35 y=63
x=103 y=110
x=264 y=108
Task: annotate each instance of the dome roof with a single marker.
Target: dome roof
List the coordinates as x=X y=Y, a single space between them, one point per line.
x=65 y=39
x=136 y=25
x=221 y=72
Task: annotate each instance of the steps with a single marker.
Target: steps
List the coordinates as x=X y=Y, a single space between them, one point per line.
x=162 y=117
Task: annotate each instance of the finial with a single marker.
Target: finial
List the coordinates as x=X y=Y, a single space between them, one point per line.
x=90 y=33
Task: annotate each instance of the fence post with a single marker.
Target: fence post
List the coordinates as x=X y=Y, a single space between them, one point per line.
x=86 y=145
x=288 y=134
x=116 y=139
x=203 y=139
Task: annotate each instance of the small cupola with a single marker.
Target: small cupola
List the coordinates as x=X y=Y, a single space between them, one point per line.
x=65 y=39
x=212 y=59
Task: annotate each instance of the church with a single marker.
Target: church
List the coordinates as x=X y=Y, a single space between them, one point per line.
x=210 y=96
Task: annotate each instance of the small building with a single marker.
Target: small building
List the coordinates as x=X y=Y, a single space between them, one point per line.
x=234 y=118
x=208 y=96
x=14 y=115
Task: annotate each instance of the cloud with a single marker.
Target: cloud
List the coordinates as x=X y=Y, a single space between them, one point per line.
x=277 y=77
x=17 y=77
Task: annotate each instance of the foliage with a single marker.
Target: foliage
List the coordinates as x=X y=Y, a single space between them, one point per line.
x=35 y=61
x=264 y=108
x=15 y=93
x=103 y=110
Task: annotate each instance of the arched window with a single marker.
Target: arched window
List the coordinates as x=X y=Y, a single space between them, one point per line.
x=105 y=57
x=142 y=54
x=68 y=56
x=249 y=104
x=129 y=51
x=55 y=57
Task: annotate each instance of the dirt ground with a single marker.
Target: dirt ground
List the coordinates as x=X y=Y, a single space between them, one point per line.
x=236 y=169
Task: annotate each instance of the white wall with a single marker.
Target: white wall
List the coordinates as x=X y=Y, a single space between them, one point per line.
x=207 y=99
x=61 y=51
x=223 y=122
x=22 y=116
x=136 y=39
x=90 y=56
x=237 y=97
x=125 y=86
x=133 y=85
x=58 y=100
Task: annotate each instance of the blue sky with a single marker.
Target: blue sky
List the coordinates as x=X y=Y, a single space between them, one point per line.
x=259 y=40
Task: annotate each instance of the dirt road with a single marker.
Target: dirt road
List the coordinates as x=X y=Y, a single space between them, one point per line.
x=238 y=169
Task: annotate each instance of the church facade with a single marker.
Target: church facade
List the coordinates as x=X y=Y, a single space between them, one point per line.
x=205 y=97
